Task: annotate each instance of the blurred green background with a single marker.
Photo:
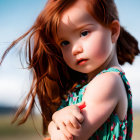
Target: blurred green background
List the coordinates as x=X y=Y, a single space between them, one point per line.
x=31 y=130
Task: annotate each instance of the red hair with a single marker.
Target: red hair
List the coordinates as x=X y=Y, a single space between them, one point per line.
x=52 y=78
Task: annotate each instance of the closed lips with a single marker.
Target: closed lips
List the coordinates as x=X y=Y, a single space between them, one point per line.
x=80 y=60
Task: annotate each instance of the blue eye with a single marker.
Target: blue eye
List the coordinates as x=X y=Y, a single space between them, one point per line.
x=84 y=33
x=64 y=43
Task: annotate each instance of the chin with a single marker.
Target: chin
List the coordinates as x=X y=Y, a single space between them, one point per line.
x=86 y=71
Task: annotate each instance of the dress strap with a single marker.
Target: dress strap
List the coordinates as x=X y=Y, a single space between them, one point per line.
x=111 y=69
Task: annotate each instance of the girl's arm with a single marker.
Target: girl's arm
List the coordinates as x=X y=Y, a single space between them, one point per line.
x=102 y=96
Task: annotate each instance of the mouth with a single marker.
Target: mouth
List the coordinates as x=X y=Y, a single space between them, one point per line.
x=81 y=61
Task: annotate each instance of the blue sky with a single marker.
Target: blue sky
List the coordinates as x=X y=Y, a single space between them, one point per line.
x=17 y=16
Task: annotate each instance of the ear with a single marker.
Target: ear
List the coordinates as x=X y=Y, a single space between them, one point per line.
x=115 y=30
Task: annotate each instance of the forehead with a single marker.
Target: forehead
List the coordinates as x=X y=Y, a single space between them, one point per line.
x=74 y=11
x=75 y=16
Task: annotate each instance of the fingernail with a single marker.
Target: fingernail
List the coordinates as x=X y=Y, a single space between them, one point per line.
x=78 y=126
x=71 y=138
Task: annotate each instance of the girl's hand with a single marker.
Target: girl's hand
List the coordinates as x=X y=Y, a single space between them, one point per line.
x=68 y=117
x=56 y=134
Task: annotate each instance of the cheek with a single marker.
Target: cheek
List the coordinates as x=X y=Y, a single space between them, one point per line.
x=101 y=46
x=66 y=57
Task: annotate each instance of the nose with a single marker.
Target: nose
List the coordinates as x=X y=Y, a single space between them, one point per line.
x=77 y=48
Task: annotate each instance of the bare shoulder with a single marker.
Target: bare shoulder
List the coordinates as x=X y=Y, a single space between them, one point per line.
x=103 y=86
x=108 y=78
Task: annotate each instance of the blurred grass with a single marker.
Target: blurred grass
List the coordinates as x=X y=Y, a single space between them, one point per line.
x=136 y=128
x=27 y=131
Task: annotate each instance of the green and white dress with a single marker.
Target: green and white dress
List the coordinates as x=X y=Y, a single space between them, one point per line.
x=113 y=128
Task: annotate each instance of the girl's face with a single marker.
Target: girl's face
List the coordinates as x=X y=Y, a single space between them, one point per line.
x=85 y=44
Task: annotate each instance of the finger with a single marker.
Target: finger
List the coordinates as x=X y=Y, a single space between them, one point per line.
x=65 y=131
x=73 y=131
x=75 y=122
x=59 y=136
x=79 y=116
x=63 y=137
x=68 y=123
x=57 y=125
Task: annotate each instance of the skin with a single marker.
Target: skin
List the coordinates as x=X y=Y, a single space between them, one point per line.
x=81 y=36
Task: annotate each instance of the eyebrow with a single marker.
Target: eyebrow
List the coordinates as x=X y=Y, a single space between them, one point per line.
x=82 y=26
x=84 y=20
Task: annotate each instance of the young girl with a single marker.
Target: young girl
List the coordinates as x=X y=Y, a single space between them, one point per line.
x=75 y=49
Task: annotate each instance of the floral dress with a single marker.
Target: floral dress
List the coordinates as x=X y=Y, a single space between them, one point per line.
x=113 y=128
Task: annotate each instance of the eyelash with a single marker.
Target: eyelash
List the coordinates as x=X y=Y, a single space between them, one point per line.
x=61 y=44
x=86 y=31
x=67 y=42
